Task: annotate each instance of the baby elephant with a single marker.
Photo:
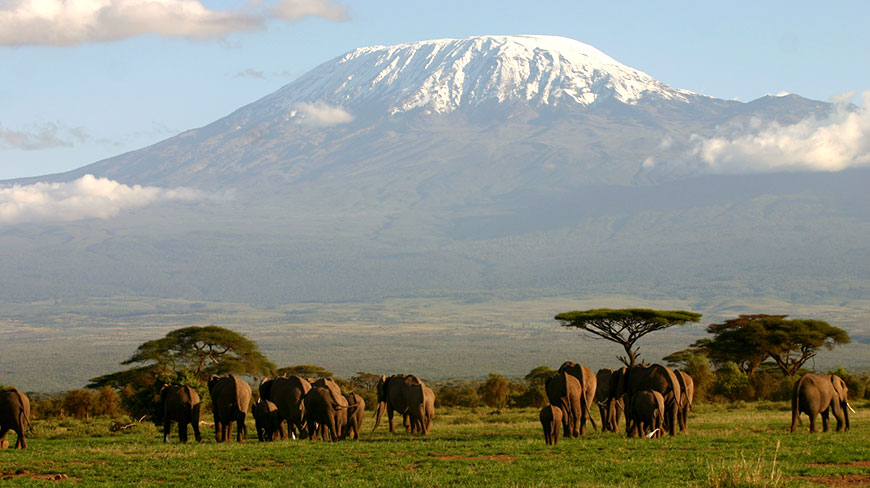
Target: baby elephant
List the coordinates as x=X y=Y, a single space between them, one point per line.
x=551 y=421
x=268 y=421
x=648 y=413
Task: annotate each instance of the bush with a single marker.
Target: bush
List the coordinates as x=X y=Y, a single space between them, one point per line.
x=495 y=392
x=732 y=384
x=79 y=404
x=533 y=396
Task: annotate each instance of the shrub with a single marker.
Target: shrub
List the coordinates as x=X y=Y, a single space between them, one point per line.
x=79 y=404
x=732 y=384
x=495 y=392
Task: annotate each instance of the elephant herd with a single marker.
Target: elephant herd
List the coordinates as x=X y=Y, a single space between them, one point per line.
x=653 y=399
x=313 y=409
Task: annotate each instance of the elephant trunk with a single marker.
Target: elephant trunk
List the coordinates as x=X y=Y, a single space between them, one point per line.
x=382 y=407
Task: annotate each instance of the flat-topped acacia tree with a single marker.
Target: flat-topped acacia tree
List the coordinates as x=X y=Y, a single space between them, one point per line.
x=625 y=326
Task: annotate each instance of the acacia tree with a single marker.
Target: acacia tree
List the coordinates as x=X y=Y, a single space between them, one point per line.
x=204 y=351
x=188 y=355
x=625 y=326
x=307 y=371
x=749 y=340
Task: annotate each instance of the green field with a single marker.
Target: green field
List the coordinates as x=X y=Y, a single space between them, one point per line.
x=743 y=445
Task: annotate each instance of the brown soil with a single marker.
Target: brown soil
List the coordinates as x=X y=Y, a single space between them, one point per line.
x=23 y=473
x=853 y=464
x=841 y=480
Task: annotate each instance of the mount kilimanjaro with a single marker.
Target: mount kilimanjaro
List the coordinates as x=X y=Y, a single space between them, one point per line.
x=488 y=164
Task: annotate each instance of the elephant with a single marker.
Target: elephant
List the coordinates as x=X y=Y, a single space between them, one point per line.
x=565 y=392
x=688 y=387
x=551 y=420
x=648 y=413
x=816 y=393
x=14 y=415
x=286 y=392
x=423 y=425
x=230 y=398
x=406 y=394
x=181 y=404
x=609 y=407
x=269 y=424
x=356 y=407
x=649 y=377
x=588 y=383
x=325 y=410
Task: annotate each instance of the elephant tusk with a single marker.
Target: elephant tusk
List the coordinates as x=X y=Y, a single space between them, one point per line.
x=651 y=434
x=850 y=407
x=603 y=404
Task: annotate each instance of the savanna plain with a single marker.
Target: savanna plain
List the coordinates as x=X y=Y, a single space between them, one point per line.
x=739 y=444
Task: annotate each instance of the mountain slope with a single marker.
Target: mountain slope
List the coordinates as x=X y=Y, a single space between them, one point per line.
x=524 y=113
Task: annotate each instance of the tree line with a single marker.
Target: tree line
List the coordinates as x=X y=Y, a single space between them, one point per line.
x=750 y=357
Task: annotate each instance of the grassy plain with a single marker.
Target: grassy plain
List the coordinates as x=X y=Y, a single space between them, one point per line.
x=744 y=445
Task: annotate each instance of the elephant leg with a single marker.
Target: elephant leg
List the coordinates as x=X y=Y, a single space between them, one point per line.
x=3 y=431
x=182 y=431
x=241 y=429
x=21 y=443
x=390 y=418
x=167 y=428
x=282 y=434
x=825 y=420
x=812 y=417
x=196 y=434
x=672 y=417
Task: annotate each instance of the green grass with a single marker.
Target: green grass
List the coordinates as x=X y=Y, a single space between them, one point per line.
x=748 y=446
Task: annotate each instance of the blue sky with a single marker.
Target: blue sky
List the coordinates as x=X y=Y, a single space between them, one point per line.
x=75 y=89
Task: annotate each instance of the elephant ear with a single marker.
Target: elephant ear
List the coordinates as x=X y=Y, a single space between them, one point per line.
x=840 y=387
x=265 y=388
x=211 y=382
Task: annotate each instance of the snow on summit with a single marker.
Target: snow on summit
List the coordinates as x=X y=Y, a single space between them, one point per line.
x=439 y=76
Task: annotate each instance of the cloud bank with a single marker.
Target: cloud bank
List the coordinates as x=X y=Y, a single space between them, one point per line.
x=44 y=137
x=837 y=142
x=71 y=22
x=85 y=198
x=320 y=114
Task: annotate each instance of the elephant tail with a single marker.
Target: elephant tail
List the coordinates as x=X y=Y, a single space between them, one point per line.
x=795 y=405
x=588 y=408
x=379 y=413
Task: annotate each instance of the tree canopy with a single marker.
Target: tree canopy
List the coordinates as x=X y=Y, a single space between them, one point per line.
x=625 y=326
x=307 y=371
x=749 y=340
x=191 y=352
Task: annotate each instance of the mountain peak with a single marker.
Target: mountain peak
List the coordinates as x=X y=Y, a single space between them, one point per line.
x=443 y=75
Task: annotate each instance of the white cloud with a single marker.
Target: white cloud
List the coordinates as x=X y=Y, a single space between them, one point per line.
x=46 y=136
x=837 y=142
x=85 y=198
x=320 y=114
x=70 y=22
x=297 y=9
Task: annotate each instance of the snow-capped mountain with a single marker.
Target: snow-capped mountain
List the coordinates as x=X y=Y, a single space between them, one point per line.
x=440 y=76
x=514 y=113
